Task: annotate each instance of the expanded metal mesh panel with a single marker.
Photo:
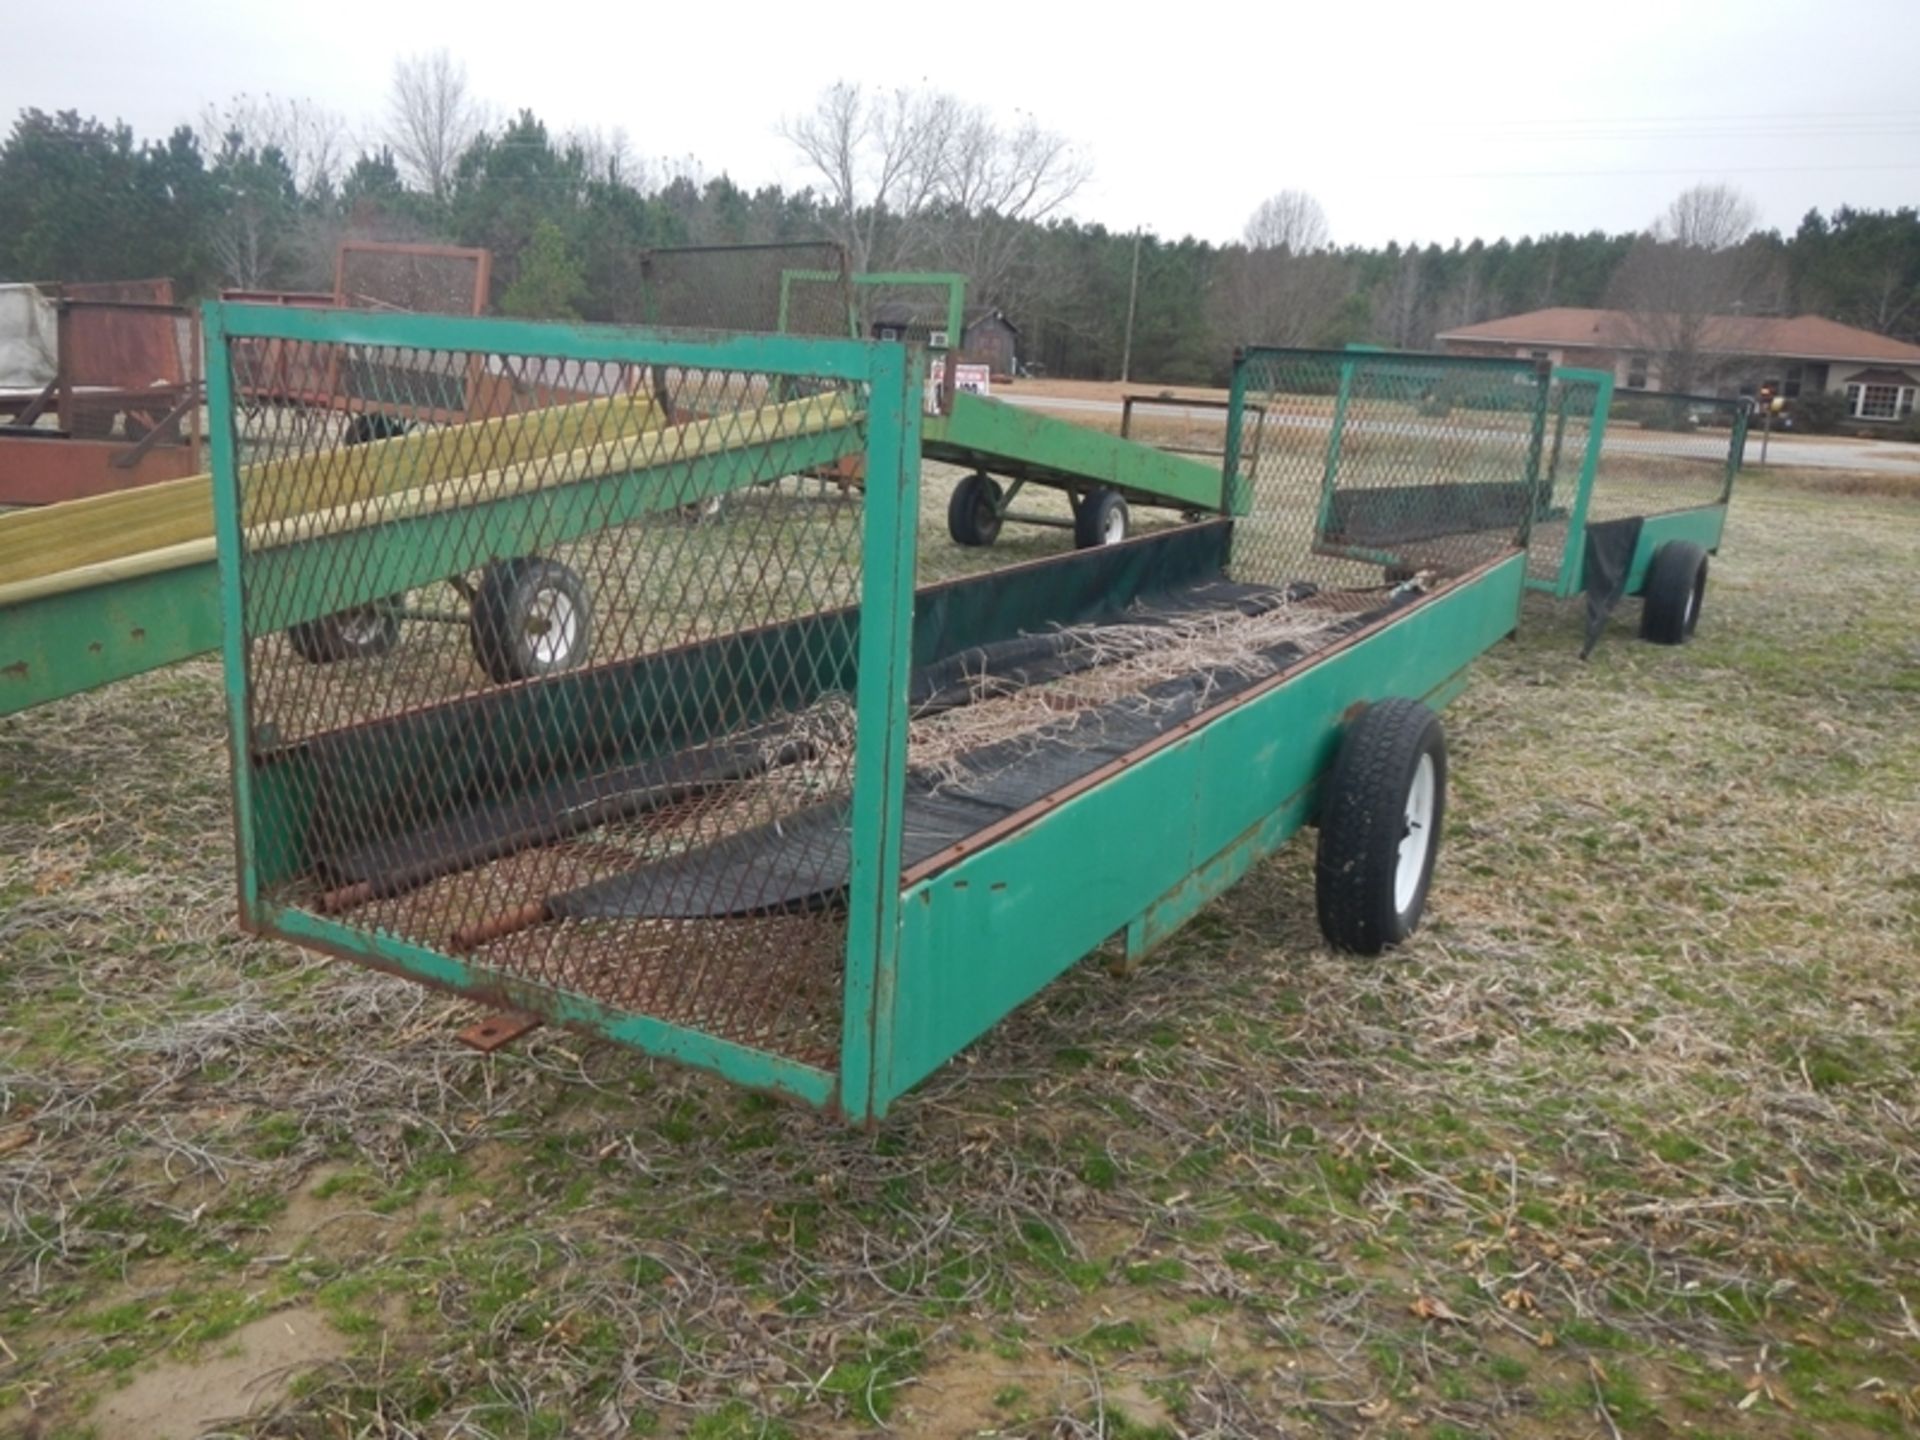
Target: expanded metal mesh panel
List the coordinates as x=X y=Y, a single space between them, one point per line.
x=740 y=287
x=1359 y=485
x=421 y=279
x=1375 y=468
x=513 y=682
x=1666 y=452
x=1570 y=424
x=1657 y=453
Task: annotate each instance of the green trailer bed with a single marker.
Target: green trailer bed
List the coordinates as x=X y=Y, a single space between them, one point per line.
x=1033 y=447
x=1628 y=477
x=806 y=822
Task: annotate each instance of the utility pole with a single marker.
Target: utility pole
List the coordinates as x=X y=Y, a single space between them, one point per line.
x=1133 y=296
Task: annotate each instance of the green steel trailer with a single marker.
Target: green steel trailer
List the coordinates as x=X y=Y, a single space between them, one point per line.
x=134 y=604
x=74 y=629
x=1634 y=499
x=1103 y=476
x=804 y=821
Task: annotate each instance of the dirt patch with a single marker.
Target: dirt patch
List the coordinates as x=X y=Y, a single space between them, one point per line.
x=176 y=1401
x=336 y=1226
x=983 y=1393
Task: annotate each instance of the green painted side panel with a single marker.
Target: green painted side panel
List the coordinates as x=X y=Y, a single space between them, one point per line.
x=64 y=644
x=738 y=1063
x=1218 y=875
x=1226 y=869
x=1024 y=444
x=287 y=584
x=1703 y=526
x=986 y=934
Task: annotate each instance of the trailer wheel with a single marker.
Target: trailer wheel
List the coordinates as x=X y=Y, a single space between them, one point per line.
x=1676 y=585
x=1100 y=519
x=372 y=425
x=1380 y=819
x=973 y=514
x=362 y=633
x=530 y=617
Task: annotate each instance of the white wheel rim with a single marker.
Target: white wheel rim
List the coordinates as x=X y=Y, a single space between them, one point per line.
x=361 y=628
x=1416 y=840
x=1115 y=529
x=553 y=625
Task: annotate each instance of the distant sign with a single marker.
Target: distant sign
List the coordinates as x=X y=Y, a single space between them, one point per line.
x=974 y=379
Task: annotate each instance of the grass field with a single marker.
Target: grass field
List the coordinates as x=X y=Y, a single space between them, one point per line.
x=1626 y=1143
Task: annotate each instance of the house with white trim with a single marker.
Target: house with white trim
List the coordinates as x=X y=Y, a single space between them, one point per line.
x=1795 y=356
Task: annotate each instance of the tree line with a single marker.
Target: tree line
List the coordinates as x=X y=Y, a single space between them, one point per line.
x=257 y=194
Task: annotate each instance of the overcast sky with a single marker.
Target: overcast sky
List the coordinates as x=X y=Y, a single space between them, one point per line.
x=1428 y=121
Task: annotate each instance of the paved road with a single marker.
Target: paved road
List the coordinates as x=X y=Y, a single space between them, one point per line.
x=1808 y=451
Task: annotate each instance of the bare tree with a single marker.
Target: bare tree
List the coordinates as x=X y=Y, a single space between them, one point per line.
x=1291 y=220
x=1692 y=265
x=432 y=118
x=995 y=184
x=310 y=138
x=911 y=174
x=606 y=156
x=1707 y=217
x=1402 y=312
x=1284 y=287
x=1273 y=296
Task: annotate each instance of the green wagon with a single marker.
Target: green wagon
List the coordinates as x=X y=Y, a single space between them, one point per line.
x=1634 y=499
x=802 y=820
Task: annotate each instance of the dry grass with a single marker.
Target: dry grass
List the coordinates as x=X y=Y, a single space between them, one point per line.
x=1626 y=1143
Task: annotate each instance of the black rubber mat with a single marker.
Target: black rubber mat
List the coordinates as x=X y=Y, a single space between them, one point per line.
x=803 y=862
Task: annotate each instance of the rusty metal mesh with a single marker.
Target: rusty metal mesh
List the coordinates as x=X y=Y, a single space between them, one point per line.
x=1377 y=469
x=555 y=649
x=421 y=279
x=740 y=287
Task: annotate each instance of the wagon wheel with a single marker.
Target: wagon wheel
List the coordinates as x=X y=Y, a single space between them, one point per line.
x=362 y=633
x=1384 y=803
x=973 y=513
x=365 y=631
x=1100 y=519
x=1676 y=586
x=530 y=617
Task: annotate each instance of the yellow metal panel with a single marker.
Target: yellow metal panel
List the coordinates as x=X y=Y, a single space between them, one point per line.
x=115 y=529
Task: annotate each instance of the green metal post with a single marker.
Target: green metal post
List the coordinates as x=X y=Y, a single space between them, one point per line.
x=1545 y=504
x=1236 y=491
x=1333 y=448
x=880 y=734
x=1536 y=445
x=1573 y=552
x=227 y=531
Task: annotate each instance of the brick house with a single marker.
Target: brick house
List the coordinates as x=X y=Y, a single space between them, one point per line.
x=1879 y=377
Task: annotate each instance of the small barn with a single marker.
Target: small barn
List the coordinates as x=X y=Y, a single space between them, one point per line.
x=989 y=337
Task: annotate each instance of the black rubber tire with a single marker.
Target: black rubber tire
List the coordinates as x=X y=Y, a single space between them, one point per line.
x=372 y=425
x=1675 y=590
x=1363 y=821
x=973 y=513
x=506 y=625
x=1094 y=515
x=365 y=632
